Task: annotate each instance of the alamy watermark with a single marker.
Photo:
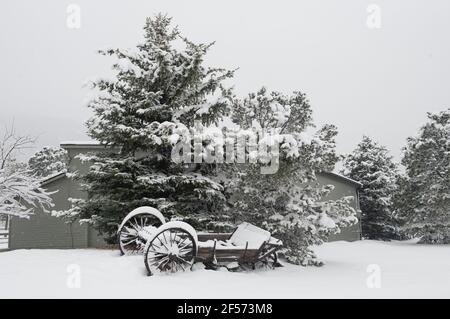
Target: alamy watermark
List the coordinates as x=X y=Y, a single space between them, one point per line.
x=73 y=20
x=222 y=146
x=374 y=278
x=373 y=20
x=73 y=280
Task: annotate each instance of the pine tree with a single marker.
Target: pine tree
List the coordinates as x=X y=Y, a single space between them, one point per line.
x=423 y=199
x=158 y=93
x=48 y=161
x=287 y=201
x=371 y=165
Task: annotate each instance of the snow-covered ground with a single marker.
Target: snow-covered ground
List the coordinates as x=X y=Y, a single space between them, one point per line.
x=405 y=269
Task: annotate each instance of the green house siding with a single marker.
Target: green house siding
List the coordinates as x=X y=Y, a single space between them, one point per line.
x=341 y=189
x=42 y=230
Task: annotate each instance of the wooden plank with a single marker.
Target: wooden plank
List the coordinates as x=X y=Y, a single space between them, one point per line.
x=212 y=236
x=207 y=252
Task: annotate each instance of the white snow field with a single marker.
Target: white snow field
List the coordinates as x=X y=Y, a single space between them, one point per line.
x=405 y=269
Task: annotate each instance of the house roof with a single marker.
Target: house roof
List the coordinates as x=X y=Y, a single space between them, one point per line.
x=343 y=178
x=60 y=175
x=78 y=144
x=52 y=178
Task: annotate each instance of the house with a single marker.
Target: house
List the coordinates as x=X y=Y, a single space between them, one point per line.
x=42 y=230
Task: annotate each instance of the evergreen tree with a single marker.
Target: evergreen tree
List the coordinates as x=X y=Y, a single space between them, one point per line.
x=371 y=165
x=423 y=199
x=48 y=161
x=159 y=91
x=287 y=201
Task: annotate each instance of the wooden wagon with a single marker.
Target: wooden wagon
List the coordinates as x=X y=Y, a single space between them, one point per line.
x=175 y=245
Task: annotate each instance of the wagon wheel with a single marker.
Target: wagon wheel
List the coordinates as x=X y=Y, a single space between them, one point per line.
x=267 y=262
x=136 y=228
x=170 y=250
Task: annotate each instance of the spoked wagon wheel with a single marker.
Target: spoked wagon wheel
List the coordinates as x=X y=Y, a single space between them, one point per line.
x=137 y=227
x=172 y=248
x=265 y=262
x=270 y=261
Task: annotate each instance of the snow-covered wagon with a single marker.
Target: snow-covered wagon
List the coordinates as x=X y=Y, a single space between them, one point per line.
x=175 y=245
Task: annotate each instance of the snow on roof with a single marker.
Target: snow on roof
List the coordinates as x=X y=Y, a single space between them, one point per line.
x=52 y=178
x=66 y=144
x=85 y=144
x=81 y=142
x=348 y=179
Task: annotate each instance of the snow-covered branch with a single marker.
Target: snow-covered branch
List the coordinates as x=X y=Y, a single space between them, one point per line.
x=11 y=143
x=21 y=192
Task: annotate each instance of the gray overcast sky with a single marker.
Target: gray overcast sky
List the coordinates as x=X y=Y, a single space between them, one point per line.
x=379 y=82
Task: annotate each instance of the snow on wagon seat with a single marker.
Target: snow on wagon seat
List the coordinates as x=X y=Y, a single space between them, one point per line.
x=246 y=232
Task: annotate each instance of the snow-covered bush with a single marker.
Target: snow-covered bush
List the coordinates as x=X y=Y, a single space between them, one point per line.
x=289 y=201
x=423 y=200
x=371 y=165
x=48 y=161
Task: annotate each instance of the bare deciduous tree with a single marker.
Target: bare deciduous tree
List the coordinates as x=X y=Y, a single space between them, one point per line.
x=20 y=190
x=11 y=143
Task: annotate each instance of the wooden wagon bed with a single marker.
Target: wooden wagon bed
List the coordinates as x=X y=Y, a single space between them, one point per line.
x=246 y=245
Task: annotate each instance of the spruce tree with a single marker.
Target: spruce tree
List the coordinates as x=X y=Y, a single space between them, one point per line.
x=423 y=200
x=287 y=201
x=160 y=89
x=371 y=165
